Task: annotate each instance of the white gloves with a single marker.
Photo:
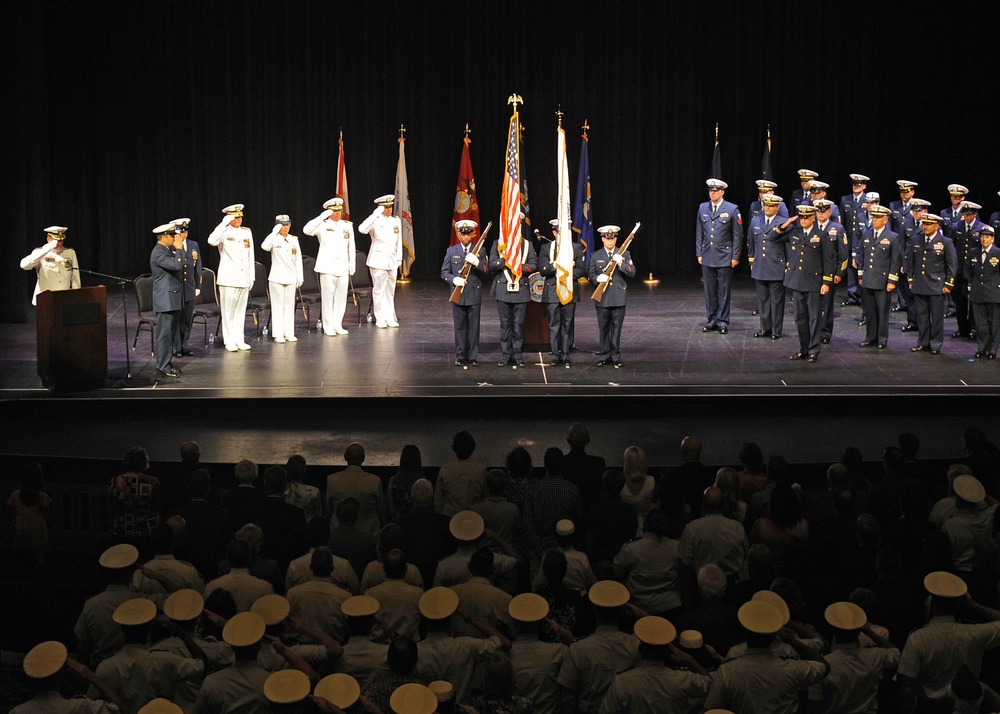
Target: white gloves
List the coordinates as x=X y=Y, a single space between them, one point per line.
x=458 y=282
x=197 y=292
x=472 y=259
x=603 y=278
x=325 y=214
x=618 y=258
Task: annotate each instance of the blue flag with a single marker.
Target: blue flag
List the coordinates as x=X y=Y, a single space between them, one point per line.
x=583 y=215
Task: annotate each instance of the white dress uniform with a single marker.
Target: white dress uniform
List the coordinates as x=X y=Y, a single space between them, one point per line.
x=56 y=269
x=384 y=259
x=284 y=278
x=335 y=263
x=236 y=275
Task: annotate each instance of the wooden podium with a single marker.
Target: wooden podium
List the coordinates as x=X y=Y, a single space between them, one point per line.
x=72 y=338
x=536 y=328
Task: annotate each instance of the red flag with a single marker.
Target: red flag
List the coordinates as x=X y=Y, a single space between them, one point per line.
x=511 y=243
x=466 y=205
x=342 y=180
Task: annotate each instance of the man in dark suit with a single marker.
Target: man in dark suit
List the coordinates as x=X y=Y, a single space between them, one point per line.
x=611 y=307
x=984 y=291
x=718 y=242
x=583 y=469
x=965 y=235
x=812 y=262
x=191 y=259
x=465 y=315
x=767 y=266
x=930 y=268
x=880 y=256
x=209 y=528
x=512 y=295
x=561 y=316
x=284 y=524
x=167 y=268
x=244 y=502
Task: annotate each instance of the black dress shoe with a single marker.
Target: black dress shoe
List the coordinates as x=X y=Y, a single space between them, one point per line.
x=863 y=321
x=957 y=334
x=950 y=313
x=991 y=355
x=186 y=353
x=603 y=363
x=825 y=340
x=797 y=355
x=755 y=313
x=880 y=345
x=473 y=363
x=460 y=363
x=908 y=328
x=897 y=308
x=978 y=355
x=762 y=333
x=866 y=343
x=812 y=358
x=518 y=363
x=178 y=354
x=935 y=352
x=169 y=373
x=618 y=364
x=776 y=336
x=567 y=364
x=504 y=362
x=710 y=328
x=918 y=348
x=555 y=361
x=723 y=330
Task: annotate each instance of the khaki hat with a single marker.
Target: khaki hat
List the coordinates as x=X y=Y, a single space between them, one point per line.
x=413 y=699
x=528 y=607
x=137 y=611
x=969 y=488
x=359 y=606
x=438 y=603
x=119 y=556
x=273 y=608
x=565 y=527
x=45 y=659
x=184 y=605
x=466 y=526
x=243 y=630
x=339 y=689
x=608 y=593
x=160 y=706
x=845 y=616
x=286 y=686
x=771 y=199
x=653 y=630
x=776 y=600
x=944 y=584
x=443 y=690
x=690 y=640
x=760 y=617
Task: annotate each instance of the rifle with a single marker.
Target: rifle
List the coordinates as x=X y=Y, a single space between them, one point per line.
x=456 y=292
x=610 y=268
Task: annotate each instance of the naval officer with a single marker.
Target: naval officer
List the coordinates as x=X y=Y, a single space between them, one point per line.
x=611 y=307
x=335 y=262
x=384 y=258
x=236 y=274
x=55 y=264
x=466 y=314
x=718 y=242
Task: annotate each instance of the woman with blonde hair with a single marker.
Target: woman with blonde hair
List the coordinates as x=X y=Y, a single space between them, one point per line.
x=639 y=485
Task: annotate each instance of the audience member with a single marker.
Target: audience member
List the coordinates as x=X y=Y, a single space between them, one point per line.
x=298 y=493
x=410 y=471
x=583 y=470
x=355 y=482
x=462 y=482
x=245 y=501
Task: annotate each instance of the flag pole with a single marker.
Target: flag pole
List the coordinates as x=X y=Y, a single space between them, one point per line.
x=651 y=280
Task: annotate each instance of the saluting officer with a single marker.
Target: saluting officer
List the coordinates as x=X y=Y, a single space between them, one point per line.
x=984 y=291
x=192 y=285
x=236 y=274
x=718 y=243
x=512 y=296
x=854 y=219
x=335 y=262
x=880 y=256
x=56 y=266
x=930 y=267
x=466 y=314
x=285 y=277
x=561 y=316
x=812 y=261
x=611 y=308
x=384 y=258
x=767 y=266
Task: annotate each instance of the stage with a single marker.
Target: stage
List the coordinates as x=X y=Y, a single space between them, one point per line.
x=389 y=387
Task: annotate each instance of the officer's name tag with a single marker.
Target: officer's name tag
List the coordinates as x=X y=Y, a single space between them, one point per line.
x=513 y=287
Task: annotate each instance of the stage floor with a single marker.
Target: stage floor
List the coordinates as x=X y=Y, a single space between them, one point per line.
x=672 y=373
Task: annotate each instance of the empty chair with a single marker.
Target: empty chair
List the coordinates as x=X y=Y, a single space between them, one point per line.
x=207 y=303
x=147 y=318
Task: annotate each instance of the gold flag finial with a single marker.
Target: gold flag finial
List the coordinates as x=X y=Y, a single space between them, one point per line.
x=515 y=99
x=559 y=114
x=586 y=126
x=402 y=131
x=467 y=130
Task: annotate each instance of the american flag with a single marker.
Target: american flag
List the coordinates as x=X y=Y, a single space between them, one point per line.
x=511 y=243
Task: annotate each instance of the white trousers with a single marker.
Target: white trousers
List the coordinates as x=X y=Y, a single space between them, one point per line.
x=282 y=309
x=383 y=295
x=333 y=290
x=234 y=314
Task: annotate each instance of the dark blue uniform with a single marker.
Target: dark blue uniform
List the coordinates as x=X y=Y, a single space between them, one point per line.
x=983 y=270
x=965 y=236
x=466 y=314
x=512 y=299
x=837 y=233
x=757 y=209
x=167 y=267
x=812 y=261
x=561 y=317
x=930 y=268
x=192 y=282
x=611 y=308
x=855 y=219
x=718 y=242
x=879 y=260
x=767 y=268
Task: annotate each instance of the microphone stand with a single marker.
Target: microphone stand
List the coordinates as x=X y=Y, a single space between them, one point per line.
x=122 y=282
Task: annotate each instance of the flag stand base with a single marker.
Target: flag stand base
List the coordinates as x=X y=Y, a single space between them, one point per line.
x=402 y=281
x=651 y=280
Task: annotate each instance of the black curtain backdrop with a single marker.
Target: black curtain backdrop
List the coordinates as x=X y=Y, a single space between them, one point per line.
x=129 y=114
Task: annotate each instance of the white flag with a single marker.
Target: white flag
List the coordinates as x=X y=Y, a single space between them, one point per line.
x=401 y=209
x=564 y=248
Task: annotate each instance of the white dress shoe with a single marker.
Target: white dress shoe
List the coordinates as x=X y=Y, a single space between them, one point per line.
x=243 y=345
x=292 y=338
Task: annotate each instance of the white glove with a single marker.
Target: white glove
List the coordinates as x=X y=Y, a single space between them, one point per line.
x=325 y=214
x=472 y=259
x=618 y=258
x=458 y=282
x=602 y=278
x=197 y=292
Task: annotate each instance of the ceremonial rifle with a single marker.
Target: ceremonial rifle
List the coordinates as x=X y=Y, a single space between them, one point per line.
x=456 y=292
x=610 y=268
